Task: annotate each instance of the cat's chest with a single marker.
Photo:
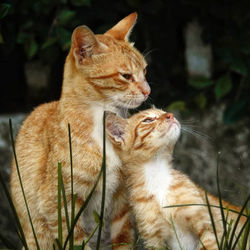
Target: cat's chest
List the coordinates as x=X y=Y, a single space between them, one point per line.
x=113 y=162
x=157 y=180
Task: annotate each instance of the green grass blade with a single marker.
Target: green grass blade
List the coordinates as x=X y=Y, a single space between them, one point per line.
x=241 y=231
x=224 y=222
x=82 y=209
x=59 y=204
x=246 y=237
x=65 y=204
x=205 y=205
x=176 y=235
x=212 y=219
x=59 y=245
x=227 y=234
x=20 y=180
x=90 y=236
x=103 y=183
x=13 y=209
x=7 y=242
x=71 y=240
x=238 y=220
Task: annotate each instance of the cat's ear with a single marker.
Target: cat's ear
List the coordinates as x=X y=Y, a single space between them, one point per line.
x=115 y=127
x=85 y=43
x=122 y=30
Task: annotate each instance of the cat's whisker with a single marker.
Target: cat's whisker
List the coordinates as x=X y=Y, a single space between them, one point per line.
x=145 y=54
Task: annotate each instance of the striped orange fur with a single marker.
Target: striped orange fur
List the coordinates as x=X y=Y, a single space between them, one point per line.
x=101 y=72
x=145 y=143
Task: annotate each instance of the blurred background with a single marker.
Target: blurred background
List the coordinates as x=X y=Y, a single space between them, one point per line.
x=198 y=54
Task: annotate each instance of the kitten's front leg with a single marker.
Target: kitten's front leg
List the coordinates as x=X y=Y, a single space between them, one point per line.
x=122 y=232
x=151 y=226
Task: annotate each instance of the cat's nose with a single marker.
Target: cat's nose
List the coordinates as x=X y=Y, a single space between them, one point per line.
x=145 y=89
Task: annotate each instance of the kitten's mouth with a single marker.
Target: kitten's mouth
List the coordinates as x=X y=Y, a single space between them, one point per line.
x=172 y=124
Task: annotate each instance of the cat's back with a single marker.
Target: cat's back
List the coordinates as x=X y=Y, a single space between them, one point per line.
x=32 y=141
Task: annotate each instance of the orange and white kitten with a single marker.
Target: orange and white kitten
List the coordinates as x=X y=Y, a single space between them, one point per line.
x=145 y=144
x=101 y=72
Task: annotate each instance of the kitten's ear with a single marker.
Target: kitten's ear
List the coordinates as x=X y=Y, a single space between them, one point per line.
x=122 y=30
x=115 y=127
x=85 y=43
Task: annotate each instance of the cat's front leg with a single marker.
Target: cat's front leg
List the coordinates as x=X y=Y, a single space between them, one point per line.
x=122 y=232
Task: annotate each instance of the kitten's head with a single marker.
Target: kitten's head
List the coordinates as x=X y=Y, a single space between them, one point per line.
x=107 y=67
x=144 y=134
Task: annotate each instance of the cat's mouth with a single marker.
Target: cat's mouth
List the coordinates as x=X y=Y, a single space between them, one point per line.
x=131 y=104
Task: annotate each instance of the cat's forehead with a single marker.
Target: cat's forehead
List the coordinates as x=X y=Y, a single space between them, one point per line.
x=133 y=58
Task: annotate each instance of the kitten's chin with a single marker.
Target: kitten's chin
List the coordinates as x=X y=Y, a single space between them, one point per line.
x=173 y=133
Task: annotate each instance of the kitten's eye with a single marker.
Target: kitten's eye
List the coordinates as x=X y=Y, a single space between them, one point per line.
x=148 y=120
x=127 y=76
x=145 y=71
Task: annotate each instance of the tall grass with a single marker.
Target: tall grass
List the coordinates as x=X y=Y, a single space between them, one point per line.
x=60 y=243
x=229 y=239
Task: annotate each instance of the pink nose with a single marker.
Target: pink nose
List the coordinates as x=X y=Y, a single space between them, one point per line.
x=169 y=116
x=145 y=89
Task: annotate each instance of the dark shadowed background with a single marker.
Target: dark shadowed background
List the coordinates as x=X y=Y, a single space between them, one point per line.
x=199 y=67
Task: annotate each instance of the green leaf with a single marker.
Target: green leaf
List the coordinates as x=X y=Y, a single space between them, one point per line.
x=64 y=37
x=1 y=39
x=200 y=82
x=31 y=47
x=245 y=49
x=96 y=217
x=4 y=10
x=65 y=16
x=178 y=105
x=50 y=41
x=78 y=3
x=235 y=111
x=239 y=67
x=77 y=247
x=223 y=86
x=201 y=101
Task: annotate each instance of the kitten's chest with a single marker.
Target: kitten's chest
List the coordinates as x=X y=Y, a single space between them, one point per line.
x=157 y=180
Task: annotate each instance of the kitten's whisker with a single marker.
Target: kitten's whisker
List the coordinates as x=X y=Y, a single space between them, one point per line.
x=197 y=134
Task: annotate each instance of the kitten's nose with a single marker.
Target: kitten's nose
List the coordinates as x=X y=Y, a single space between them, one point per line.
x=169 y=116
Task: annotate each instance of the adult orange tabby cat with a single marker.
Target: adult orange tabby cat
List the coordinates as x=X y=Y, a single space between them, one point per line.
x=102 y=72
x=145 y=144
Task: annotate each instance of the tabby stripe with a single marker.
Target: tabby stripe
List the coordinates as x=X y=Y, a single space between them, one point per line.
x=122 y=214
x=124 y=237
x=98 y=87
x=136 y=133
x=144 y=199
x=143 y=138
x=105 y=76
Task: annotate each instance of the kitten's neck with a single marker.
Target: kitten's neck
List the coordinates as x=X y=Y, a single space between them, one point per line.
x=136 y=169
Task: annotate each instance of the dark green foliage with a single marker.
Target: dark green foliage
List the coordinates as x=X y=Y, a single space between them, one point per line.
x=42 y=30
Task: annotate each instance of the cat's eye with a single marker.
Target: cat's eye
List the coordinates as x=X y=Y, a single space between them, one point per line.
x=145 y=71
x=148 y=120
x=128 y=77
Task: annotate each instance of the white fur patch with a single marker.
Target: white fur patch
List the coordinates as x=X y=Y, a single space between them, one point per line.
x=186 y=239
x=112 y=164
x=158 y=179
